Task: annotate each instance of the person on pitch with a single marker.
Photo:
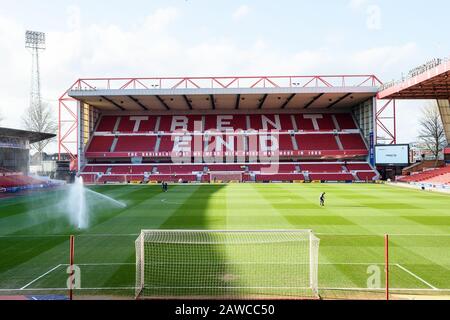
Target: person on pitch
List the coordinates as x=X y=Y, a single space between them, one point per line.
x=322 y=199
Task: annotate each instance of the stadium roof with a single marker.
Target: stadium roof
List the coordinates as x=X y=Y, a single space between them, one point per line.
x=31 y=136
x=225 y=93
x=433 y=83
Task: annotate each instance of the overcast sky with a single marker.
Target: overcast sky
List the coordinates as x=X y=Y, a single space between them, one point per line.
x=221 y=37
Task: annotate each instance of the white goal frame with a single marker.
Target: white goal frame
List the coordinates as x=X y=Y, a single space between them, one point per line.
x=303 y=255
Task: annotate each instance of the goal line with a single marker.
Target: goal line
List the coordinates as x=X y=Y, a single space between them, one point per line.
x=27 y=287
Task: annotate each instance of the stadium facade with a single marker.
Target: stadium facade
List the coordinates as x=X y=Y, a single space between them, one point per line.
x=15 y=148
x=15 y=159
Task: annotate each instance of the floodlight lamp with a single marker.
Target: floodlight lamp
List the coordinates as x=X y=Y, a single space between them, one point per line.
x=34 y=39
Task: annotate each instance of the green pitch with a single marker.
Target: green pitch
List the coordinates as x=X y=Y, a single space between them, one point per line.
x=34 y=246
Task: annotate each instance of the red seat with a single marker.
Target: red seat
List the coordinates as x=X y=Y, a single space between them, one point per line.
x=135 y=144
x=316 y=142
x=358 y=167
x=100 y=144
x=166 y=144
x=173 y=177
x=331 y=176
x=128 y=124
x=280 y=177
x=179 y=169
x=345 y=121
x=106 y=124
x=352 y=141
x=225 y=167
x=324 y=122
x=366 y=176
x=281 y=168
x=319 y=167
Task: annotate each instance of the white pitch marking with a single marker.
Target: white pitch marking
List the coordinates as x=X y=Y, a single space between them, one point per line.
x=321 y=288
x=416 y=276
x=383 y=289
x=170 y=202
x=62 y=289
x=41 y=276
x=101 y=264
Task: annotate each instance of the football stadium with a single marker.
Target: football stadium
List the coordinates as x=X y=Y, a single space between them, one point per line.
x=270 y=187
x=208 y=188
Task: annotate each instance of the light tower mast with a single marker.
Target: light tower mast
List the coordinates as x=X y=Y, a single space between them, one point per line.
x=35 y=41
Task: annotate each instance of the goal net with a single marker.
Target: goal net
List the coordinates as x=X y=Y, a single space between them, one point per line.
x=205 y=264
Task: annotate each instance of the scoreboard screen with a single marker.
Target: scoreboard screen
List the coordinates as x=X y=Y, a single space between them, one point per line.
x=392 y=154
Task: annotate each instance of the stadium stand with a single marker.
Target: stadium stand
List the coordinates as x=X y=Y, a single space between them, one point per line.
x=314 y=138
x=9 y=179
x=434 y=176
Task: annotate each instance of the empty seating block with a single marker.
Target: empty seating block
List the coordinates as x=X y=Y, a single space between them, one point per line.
x=429 y=176
x=316 y=142
x=285 y=142
x=179 y=169
x=319 y=168
x=100 y=144
x=225 y=167
x=352 y=141
x=107 y=124
x=321 y=137
x=173 y=177
x=101 y=169
x=137 y=124
x=315 y=122
x=11 y=181
x=366 y=176
x=358 y=167
x=225 y=122
x=280 y=177
x=135 y=144
x=281 y=168
x=332 y=176
x=345 y=121
x=166 y=144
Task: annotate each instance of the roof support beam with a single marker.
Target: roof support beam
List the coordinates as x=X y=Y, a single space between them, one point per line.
x=213 y=103
x=138 y=102
x=238 y=100
x=261 y=102
x=162 y=102
x=313 y=100
x=113 y=103
x=339 y=100
x=189 y=104
x=288 y=100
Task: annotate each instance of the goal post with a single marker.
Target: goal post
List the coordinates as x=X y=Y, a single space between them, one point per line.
x=216 y=264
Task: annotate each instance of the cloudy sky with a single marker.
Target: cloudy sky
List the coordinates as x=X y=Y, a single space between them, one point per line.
x=222 y=37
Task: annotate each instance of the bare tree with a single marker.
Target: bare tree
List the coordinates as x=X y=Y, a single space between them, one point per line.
x=432 y=133
x=40 y=118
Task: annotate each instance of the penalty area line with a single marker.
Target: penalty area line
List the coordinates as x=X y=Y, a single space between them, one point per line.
x=40 y=277
x=416 y=276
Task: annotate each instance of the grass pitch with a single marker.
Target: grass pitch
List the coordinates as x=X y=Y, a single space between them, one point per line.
x=34 y=246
